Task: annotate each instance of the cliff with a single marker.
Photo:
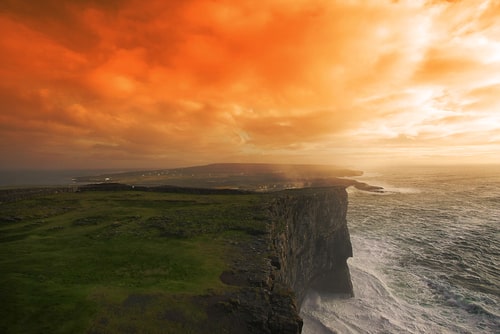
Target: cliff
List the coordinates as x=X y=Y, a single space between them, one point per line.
x=271 y=248
x=307 y=247
x=310 y=236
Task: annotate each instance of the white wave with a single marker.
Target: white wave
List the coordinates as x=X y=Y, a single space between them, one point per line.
x=380 y=179
x=377 y=306
x=387 y=190
x=373 y=310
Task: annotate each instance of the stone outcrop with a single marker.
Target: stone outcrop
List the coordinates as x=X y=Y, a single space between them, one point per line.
x=311 y=240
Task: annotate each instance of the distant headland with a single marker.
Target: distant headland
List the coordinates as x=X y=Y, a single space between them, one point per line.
x=258 y=177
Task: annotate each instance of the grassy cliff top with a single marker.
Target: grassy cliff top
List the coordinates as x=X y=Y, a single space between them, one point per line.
x=121 y=262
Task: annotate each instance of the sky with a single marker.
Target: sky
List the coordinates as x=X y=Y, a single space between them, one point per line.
x=158 y=84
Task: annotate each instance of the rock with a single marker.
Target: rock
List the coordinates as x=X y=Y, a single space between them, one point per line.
x=311 y=240
x=308 y=245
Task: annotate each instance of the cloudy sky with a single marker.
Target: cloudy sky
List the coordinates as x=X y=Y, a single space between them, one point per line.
x=148 y=84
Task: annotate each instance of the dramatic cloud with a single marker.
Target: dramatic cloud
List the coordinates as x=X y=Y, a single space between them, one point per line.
x=130 y=83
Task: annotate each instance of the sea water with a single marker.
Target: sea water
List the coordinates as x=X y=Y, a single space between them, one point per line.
x=426 y=255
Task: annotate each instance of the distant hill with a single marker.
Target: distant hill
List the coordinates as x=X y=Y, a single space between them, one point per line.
x=261 y=168
x=254 y=176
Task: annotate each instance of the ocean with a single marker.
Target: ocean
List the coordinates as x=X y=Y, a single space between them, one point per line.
x=426 y=255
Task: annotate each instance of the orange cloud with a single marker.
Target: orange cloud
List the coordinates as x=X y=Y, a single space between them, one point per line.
x=134 y=83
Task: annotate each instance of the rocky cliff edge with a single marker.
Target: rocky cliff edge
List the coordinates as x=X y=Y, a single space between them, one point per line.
x=307 y=246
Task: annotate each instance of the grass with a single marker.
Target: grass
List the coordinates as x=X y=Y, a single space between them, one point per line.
x=117 y=262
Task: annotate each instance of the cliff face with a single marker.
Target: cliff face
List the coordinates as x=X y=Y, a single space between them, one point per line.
x=311 y=241
x=307 y=247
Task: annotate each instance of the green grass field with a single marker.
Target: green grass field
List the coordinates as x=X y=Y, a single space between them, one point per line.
x=118 y=262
